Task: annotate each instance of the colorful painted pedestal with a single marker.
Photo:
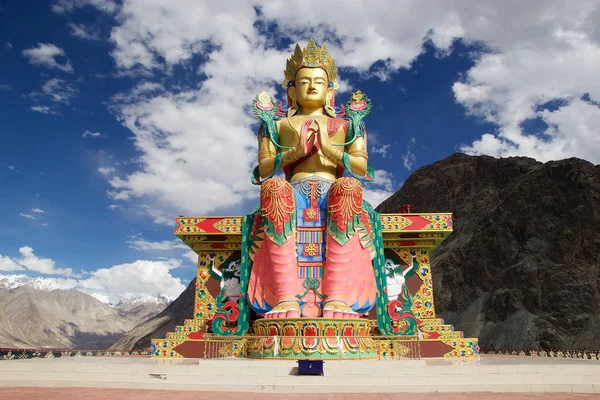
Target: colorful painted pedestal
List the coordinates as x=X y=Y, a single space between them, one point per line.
x=307 y=338
x=220 y=238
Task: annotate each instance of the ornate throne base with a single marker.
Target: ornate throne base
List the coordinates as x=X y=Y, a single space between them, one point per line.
x=302 y=337
x=307 y=338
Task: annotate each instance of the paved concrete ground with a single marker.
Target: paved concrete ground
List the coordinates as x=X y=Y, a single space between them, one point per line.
x=127 y=394
x=90 y=377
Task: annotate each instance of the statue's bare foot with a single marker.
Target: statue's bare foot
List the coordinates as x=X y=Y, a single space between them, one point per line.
x=338 y=309
x=285 y=309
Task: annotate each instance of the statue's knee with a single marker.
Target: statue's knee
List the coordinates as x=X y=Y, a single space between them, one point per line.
x=276 y=189
x=347 y=185
x=274 y=184
x=345 y=195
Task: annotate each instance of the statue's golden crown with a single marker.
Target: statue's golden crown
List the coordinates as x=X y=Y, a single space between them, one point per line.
x=311 y=57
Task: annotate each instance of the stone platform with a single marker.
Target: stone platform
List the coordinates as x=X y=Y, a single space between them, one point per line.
x=487 y=374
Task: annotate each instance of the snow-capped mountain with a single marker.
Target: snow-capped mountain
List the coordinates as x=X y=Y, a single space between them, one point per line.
x=51 y=312
x=9 y=282
x=39 y=283
x=144 y=307
x=158 y=298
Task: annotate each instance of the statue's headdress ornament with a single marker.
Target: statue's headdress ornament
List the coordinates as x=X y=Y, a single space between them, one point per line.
x=311 y=57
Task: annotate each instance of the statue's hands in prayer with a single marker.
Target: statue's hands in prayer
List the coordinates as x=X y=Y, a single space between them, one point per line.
x=324 y=142
x=308 y=139
x=302 y=148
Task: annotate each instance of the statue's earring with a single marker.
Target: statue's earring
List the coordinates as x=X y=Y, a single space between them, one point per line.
x=329 y=110
x=292 y=104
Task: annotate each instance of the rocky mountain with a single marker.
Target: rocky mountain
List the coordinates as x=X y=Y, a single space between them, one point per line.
x=143 y=308
x=522 y=267
x=520 y=270
x=35 y=314
x=157 y=327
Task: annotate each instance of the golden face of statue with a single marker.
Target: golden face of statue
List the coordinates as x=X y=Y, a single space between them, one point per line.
x=312 y=88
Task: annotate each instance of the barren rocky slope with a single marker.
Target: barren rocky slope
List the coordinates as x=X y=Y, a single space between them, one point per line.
x=140 y=310
x=33 y=318
x=522 y=266
x=157 y=327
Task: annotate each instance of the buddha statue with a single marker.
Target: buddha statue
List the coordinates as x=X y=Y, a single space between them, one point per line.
x=311 y=242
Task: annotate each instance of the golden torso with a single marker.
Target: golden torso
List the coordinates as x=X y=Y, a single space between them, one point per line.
x=310 y=94
x=318 y=164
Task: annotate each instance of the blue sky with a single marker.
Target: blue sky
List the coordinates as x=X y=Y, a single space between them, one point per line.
x=109 y=111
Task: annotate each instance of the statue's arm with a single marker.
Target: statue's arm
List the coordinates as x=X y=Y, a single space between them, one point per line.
x=357 y=156
x=267 y=156
x=357 y=152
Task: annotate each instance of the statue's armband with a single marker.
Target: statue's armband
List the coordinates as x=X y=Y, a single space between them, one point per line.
x=356 y=109
x=264 y=108
x=256 y=173
x=369 y=175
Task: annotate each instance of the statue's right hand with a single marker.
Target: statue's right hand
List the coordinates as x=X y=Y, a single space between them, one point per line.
x=301 y=149
x=307 y=139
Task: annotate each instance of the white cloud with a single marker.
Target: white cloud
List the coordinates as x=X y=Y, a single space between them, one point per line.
x=113 y=207
x=138 y=278
x=553 y=56
x=384 y=179
x=84 y=32
x=409 y=158
x=11 y=167
x=142 y=244
x=535 y=52
x=64 y=6
x=139 y=93
x=345 y=86
x=59 y=90
x=56 y=90
x=376 y=196
x=106 y=170
x=383 y=187
x=382 y=150
x=181 y=133
x=4 y=88
x=42 y=265
x=119 y=282
x=90 y=134
x=172 y=128
x=192 y=256
x=43 y=109
x=8 y=46
x=33 y=216
x=524 y=55
x=159 y=215
x=45 y=54
x=8 y=264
